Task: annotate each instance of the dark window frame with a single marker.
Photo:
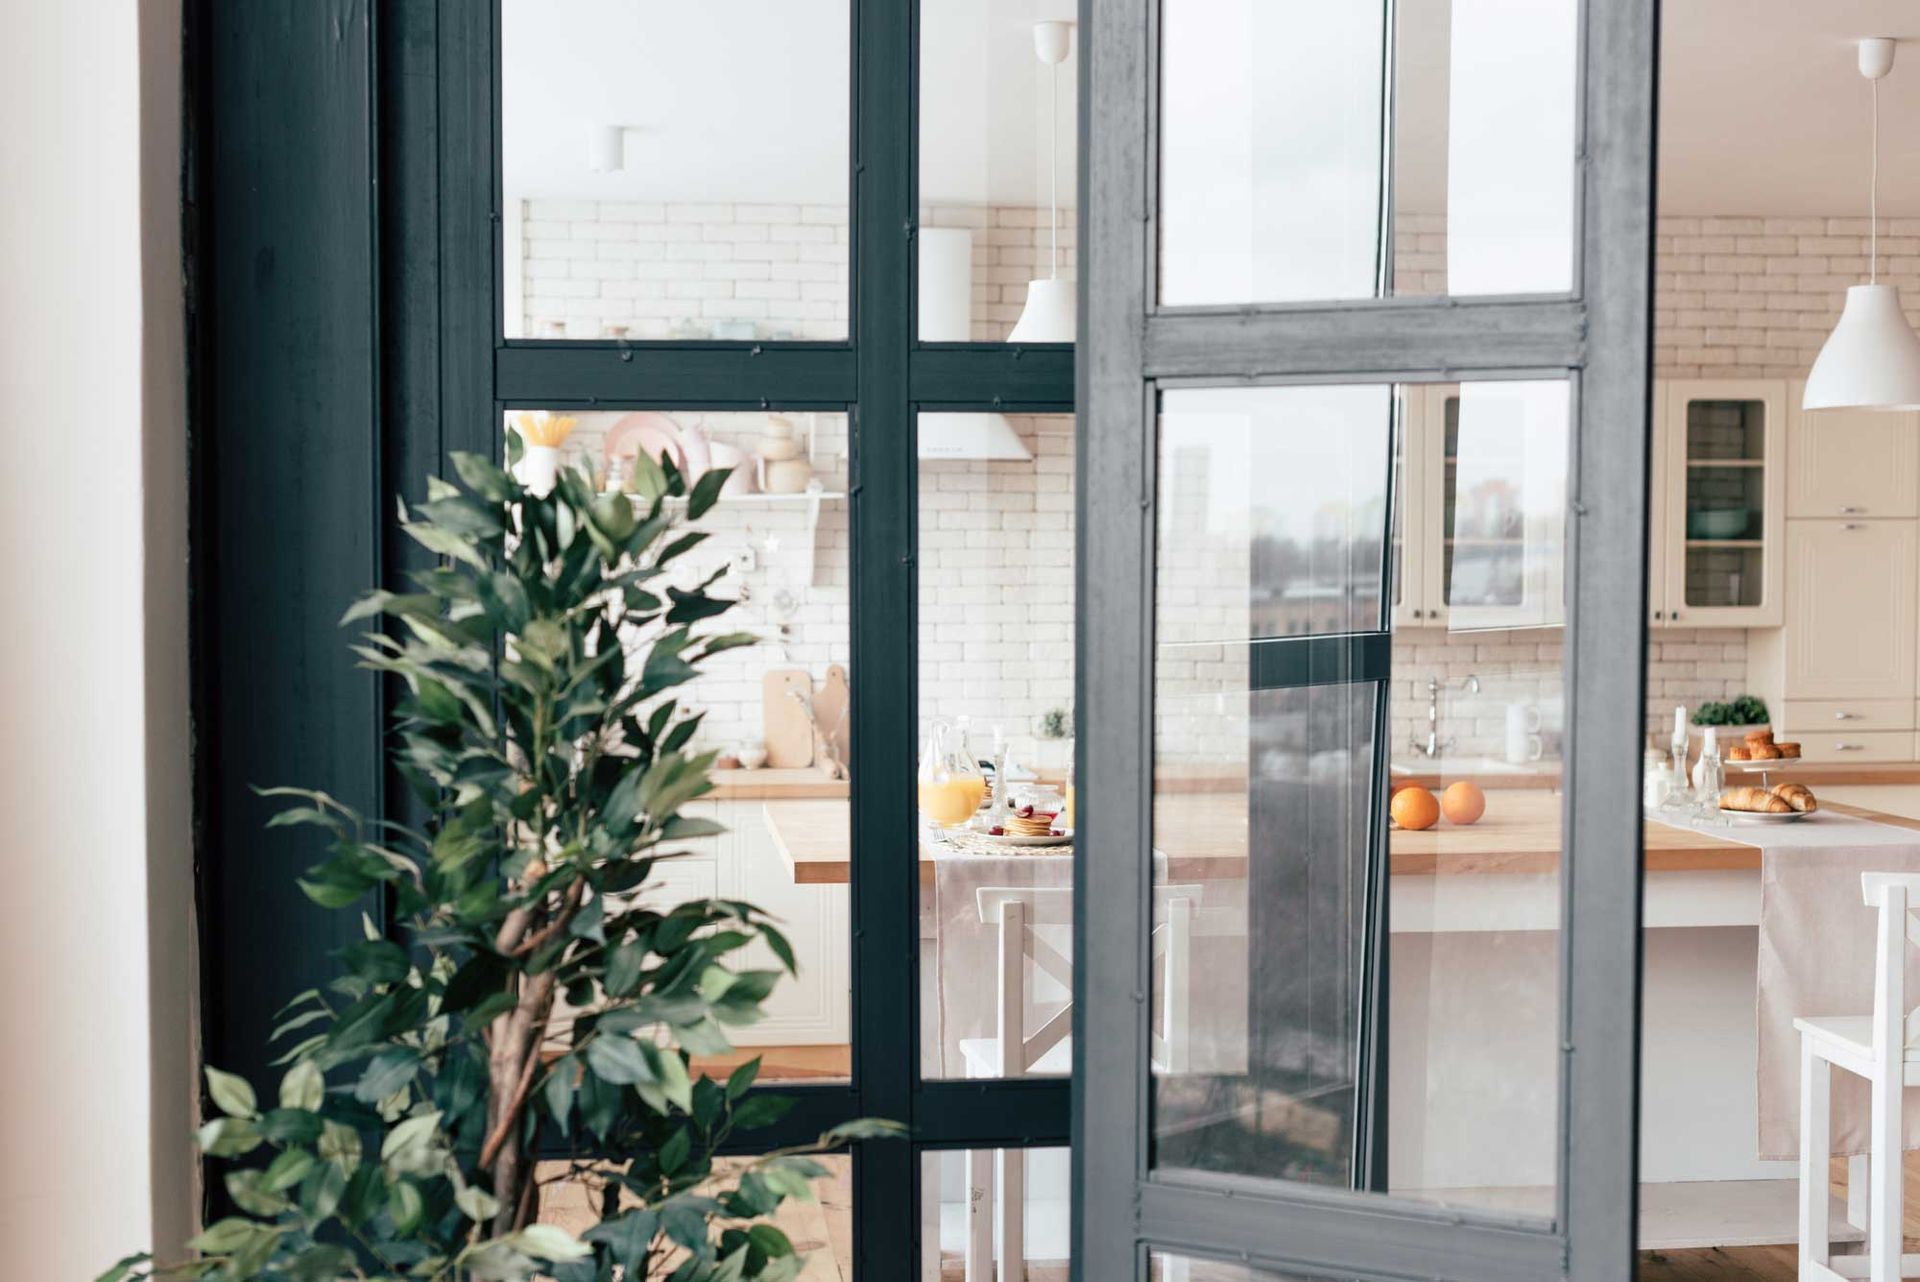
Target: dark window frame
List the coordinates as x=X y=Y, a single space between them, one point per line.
x=881 y=376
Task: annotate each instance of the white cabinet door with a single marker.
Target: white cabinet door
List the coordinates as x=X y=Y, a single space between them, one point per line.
x=1850 y=610
x=1725 y=502
x=1848 y=463
x=812 y=1008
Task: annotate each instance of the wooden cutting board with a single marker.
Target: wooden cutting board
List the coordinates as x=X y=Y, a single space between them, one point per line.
x=787 y=720
x=830 y=714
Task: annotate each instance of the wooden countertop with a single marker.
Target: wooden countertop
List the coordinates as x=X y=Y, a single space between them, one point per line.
x=1206 y=840
x=1888 y=773
x=749 y=785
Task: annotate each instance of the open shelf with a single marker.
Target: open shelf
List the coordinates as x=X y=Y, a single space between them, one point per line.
x=1726 y=543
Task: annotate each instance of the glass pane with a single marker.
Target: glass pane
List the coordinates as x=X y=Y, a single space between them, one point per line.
x=998 y=171
x=996 y=689
x=647 y=198
x=1726 y=487
x=1306 y=796
x=1165 y=1266
x=965 y=1229
x=775 y=711
x=1274 y=185
x=1504 y=521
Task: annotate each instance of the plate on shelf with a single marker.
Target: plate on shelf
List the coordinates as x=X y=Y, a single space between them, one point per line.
x=1762 y=816
x=1754 y=767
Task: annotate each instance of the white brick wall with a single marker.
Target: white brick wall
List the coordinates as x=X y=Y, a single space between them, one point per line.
x=1735 y=297
x=645 y=270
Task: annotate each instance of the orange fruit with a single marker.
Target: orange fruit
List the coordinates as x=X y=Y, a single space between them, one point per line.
x=1415 y=808
x=1463 y=802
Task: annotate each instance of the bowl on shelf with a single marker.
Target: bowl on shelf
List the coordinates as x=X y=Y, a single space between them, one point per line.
x=1719 y=523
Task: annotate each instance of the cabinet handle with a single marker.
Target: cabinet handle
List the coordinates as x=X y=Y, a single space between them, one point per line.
x=1848 y=747
x=1853 y=511
x=1659 y=614
x=1853 y=525
x=1846 y=716
x=1675 y=616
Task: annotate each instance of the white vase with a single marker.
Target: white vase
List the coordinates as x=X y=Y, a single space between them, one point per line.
x=539 y=469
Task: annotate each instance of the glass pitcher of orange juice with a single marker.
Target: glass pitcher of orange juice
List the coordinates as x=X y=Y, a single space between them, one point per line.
x=951 y=785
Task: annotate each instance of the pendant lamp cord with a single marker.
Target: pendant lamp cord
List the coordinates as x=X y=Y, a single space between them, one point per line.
x=1873 y=195
x=1053 y=169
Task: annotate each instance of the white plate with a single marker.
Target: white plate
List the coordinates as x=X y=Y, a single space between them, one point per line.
x=1762 y=816
x=1010 y=839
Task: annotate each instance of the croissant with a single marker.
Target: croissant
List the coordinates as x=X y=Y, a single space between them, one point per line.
x=1763 y=752
x=1747 y=799
x=1759 y=736
x=1739 y=752
x=1797 y=796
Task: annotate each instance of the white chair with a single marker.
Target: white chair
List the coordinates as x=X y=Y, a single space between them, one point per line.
x=1014 y=1052
x=1884 y=1049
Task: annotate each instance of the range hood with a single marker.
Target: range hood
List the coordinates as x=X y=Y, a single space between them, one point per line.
x=970 y=436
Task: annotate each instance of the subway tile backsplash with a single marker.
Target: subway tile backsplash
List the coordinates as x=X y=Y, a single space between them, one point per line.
x=1735 y=297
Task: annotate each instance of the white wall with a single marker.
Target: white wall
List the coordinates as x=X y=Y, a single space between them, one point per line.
x=94 y=917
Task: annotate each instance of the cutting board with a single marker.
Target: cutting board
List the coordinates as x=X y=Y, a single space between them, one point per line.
x=830 y=713
x=788 y=721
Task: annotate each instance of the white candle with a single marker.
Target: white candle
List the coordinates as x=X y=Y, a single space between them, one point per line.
x=1680 y=719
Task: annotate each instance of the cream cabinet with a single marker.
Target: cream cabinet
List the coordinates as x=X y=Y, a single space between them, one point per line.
x=1719 y=494
x=1851 y=463
x=812 y=1008
x=1480 y=522
x=1848 y=643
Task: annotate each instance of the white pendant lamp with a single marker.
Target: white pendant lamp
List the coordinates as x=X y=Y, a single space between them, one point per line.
x=1048 y=316
x=1872 y=358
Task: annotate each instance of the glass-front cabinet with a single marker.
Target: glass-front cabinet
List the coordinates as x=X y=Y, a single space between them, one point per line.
x=1719 y=504
x=1479 y=529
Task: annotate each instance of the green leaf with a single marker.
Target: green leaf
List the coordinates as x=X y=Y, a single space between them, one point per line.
x=476 y=1203
x=673 y=1154
x=742 y=1077
x=706 y=491
x=291 y=1126
x=126 y=1265
x=321 y=1191
x=549 y=1242
x=628 y=1238
x=864 y=1128
x=618 y=1060
x=226 y=1236
x=304 y=1087
x=245 y=1188
x=483 y=975
x=770 y=1240
x=482 y=477
x=288 y=1169
x=624 y=968
x=229 y=1137
x=231 y=1094
x=559 y=1092
x=410 y=1148
x=390 y=1071
x=378 y=961
x=408 y=1207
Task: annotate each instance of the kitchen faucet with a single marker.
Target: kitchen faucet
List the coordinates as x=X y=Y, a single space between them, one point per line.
x=1434 y=745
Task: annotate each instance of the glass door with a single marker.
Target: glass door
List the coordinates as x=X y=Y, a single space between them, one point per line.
x=1328 y=1020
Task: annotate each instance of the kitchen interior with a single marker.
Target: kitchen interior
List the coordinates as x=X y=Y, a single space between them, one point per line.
x=1782 y=567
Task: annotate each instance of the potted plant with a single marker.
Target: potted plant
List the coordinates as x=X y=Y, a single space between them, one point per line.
x=1732 y=719
x=541 y=661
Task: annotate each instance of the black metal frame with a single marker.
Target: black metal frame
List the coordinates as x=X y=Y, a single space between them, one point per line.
x=882 y=377
x=343 y=347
